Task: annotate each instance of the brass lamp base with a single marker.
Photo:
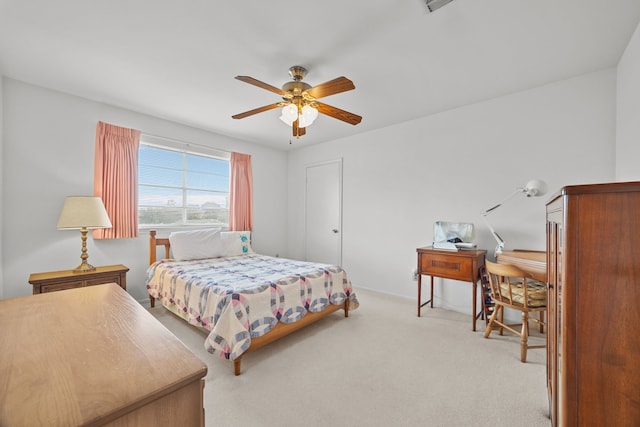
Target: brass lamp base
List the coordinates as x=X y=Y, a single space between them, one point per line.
x=85 y=267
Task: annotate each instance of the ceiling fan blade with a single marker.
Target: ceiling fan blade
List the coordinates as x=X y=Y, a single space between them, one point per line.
x=297 y=131
x=257 y=110
x=339 y=114
x=341 y=84
x=260 y=84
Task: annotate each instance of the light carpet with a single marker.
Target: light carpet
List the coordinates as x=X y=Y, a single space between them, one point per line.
x=382 y=366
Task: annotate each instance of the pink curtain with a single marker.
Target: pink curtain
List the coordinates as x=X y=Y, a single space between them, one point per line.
x=116 y=179
x=241 y=195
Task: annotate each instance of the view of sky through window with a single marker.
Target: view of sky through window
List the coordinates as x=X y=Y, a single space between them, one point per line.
x=180 y=187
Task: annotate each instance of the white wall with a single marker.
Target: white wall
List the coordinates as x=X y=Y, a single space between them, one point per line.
x=628 y=112
x=48 y=153
x=397 y=180
x=453 y=165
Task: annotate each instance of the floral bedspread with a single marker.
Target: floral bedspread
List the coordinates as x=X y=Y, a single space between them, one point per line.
x=243 y=297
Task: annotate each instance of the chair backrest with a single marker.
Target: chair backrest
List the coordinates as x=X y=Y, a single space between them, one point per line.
x=511 y=286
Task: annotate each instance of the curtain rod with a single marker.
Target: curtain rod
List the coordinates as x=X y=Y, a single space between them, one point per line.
x=184 y=142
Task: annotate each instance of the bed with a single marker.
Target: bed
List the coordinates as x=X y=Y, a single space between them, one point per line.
x=243 y=300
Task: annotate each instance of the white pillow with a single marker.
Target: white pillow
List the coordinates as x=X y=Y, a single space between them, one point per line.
x=197 y=244
x=236 y=242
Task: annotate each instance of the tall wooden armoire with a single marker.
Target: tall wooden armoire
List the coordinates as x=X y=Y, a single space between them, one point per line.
x=593 y=261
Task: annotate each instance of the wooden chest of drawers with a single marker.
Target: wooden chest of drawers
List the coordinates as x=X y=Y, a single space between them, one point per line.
x=67 y=279
x=93 y=356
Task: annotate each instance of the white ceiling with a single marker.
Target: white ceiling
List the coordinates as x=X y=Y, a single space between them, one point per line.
x=177 y=59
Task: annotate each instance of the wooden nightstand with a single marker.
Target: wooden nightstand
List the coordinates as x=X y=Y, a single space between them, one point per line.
x=67 y=279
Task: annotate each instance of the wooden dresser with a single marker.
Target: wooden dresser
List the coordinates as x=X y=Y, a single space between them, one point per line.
x=593 y=260
x=94 y=356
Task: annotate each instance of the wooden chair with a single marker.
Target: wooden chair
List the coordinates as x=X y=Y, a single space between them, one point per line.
x=510 y=288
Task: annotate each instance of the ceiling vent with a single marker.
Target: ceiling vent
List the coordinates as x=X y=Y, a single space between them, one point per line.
x=434 y=5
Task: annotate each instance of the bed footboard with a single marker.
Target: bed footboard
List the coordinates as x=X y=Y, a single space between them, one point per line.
x=284 y=329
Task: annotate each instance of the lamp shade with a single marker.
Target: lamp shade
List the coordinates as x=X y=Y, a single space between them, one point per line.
x=535 y=188
x=305 y=116
x=309 y=114
x=289 y=114
x=83 y=212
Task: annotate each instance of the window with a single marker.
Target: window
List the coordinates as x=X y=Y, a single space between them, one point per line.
x=179 y=184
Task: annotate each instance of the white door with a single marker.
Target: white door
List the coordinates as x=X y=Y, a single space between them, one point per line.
x=323 y=212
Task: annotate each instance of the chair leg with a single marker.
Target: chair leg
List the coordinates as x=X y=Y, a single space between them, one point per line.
x=542 y=322
x=523 y=336
x=501 y=320
x=487 y=331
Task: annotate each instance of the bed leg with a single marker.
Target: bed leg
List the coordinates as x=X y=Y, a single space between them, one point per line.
x=346 y=307
x=152 y=301
x=236 y=365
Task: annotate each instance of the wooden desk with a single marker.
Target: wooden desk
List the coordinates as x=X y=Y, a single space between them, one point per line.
x=532 y=262
x=461 y=265
x=94 y=356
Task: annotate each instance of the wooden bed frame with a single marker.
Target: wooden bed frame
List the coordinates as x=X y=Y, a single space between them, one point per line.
x=279 y=331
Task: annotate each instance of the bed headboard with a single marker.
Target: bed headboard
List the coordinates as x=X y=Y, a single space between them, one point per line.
x=153 y=246
x=232 y=248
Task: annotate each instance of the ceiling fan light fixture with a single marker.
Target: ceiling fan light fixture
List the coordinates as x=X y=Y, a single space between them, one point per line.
x=289 y=114
x=309 y=114
x=302 y=122
x=305 y=118
x=300 y=100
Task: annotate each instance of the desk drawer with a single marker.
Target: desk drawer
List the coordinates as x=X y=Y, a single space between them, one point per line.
x=447 y=266
x=104 y=279
x=60 y=286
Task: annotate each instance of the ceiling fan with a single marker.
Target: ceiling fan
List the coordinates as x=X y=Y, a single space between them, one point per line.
x=300 y=100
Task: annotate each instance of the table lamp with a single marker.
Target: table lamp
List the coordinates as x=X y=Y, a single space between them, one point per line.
x=534 y=188
x=83 y=213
